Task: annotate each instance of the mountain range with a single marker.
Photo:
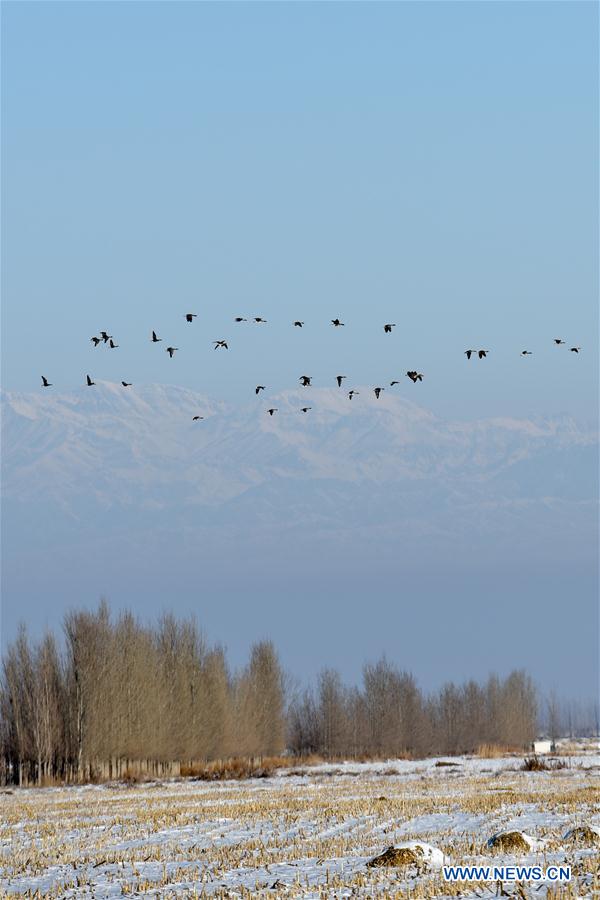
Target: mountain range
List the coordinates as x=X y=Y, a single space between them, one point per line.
x=387 y=470
x=359 y=527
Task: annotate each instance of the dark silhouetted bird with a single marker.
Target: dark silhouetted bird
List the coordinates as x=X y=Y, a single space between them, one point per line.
x=105 y=337
x=558 y=341
x=305 y=408
x=469 y=353
x=196 y=418
x=89 y=381
x=336 y=322
x=525 y=352
x=352 y=394
x=271 y=411
x=155 y=339
x=240 y=319
x=392 y=383
x=258 y=388
x=482 y=353
x=45 y=382
x=305 y=379
x=95 y=341
x=574 y=349
x=259 y=319
x=339 y=379
x=112 y=344
x=126 y=383
x=298 y=324
x=388 y=328
x=220 y=344
x=189 y=317
x=415 y=376
x=377 y=391
x=171 y=351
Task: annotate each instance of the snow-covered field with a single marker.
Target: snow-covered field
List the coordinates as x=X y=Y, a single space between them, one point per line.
x=307 y=832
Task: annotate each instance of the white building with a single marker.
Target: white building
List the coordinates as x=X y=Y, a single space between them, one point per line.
x=542 y=747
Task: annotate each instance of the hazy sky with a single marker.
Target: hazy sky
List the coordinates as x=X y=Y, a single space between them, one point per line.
x=428 y=164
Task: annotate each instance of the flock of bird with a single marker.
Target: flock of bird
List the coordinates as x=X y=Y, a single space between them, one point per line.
x=305 y=380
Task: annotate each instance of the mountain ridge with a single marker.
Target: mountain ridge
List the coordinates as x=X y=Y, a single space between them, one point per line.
x=112 y=433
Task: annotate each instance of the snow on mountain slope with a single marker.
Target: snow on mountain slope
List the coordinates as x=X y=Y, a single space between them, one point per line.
x=94 y=439
x=385 y=469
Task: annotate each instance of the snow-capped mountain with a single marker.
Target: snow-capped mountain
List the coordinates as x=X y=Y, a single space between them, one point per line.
x=131 y=460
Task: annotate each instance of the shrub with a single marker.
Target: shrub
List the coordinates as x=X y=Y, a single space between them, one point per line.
x=236 y=768
x=537 y=764
x=134 y=776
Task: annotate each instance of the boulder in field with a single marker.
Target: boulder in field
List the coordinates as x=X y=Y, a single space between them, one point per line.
x=409 y=853
x=514 y=842
x=584 y=835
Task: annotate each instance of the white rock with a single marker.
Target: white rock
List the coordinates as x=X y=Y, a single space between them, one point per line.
x=431 y=855
x=533 y=843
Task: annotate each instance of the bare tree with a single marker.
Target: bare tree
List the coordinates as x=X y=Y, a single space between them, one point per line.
x=261 y=703
x=122 y=694
x=333 y=713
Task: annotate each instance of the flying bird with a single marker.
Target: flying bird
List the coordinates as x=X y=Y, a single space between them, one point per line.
x=298 y=324
x=305 y=379
x=351 y=394
x=525 y=352
x=305 y=408
x=220 y=344
x=196 y=418
x=336 y=322
x=155 y=339
x=171 y=351
x=388 y=328
x=259 y=319
x=105 y=337
x=259 y=387
x=558 y=341
x=482 y=353
x=112 y=344
x=189 y=317
x=45 y=382
x=468 y=353
x=271 y=411
x=89 y=381
x=95 y=341
x=575 y=349
x=415 y=376
x=392 y=383
x=240 y=319
x=339 y=379
x=126 y=383
x=377 y=391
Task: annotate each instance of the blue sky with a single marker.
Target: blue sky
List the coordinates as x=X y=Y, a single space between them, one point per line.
x=428 y=164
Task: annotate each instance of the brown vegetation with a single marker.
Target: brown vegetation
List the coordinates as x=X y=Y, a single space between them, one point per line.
x=121 y=700
x=234 y=768
x=584 y=836
x=510 y=842
x=124 y=700
x=172 y=838
x=539 y=764
x=398 y=856
x=490 y=751
x=391 y=718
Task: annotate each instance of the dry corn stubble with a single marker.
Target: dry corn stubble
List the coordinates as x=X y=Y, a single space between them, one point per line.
x=313 y=836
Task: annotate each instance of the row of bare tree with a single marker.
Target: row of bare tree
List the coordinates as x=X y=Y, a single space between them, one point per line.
x=119 y=692
x=115 y=693
x=390 y=716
